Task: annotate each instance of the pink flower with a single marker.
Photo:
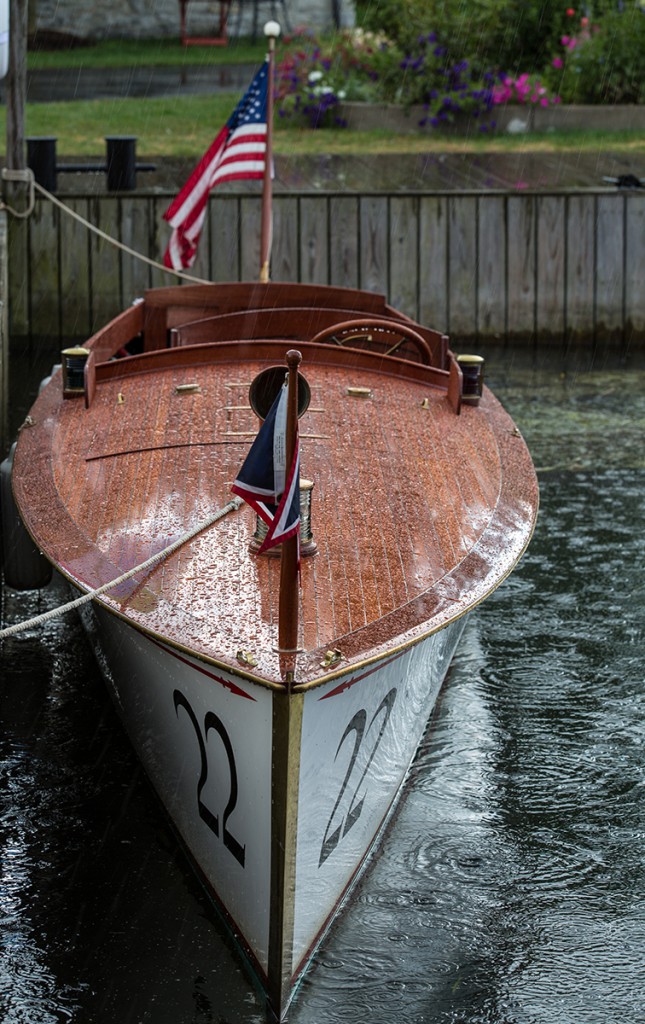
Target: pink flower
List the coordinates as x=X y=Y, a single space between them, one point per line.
x=557 y=62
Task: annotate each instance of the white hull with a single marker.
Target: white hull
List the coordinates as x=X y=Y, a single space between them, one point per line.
x=278 y=799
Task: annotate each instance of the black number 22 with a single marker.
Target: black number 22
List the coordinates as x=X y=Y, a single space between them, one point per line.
x=211 y=721
x=356 y=726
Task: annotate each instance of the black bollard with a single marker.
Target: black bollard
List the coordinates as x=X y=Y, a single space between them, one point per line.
x=41 y=158
x=121 y=163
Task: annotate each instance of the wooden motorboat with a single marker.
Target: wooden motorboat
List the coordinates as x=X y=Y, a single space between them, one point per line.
x=278 y=761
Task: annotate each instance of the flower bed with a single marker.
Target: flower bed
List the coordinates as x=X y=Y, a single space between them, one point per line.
x=432 y=75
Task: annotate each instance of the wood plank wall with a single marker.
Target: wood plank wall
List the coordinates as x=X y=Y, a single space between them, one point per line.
x=524 y=268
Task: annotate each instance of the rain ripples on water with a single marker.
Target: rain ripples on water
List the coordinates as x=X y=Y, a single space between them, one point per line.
x=511 y=885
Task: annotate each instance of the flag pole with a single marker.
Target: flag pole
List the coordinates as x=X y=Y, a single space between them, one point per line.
x=271 y=31
x=289 y=591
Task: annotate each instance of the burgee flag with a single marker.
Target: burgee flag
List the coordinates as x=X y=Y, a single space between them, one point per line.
x=265 y=481
x=238 y=152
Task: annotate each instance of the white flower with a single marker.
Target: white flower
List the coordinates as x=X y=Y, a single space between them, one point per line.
x=315 y=76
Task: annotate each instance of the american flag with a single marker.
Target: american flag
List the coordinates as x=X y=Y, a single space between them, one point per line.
x=238 y=152
x=265 y=481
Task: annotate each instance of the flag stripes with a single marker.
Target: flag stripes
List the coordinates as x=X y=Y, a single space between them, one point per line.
x=238 y=153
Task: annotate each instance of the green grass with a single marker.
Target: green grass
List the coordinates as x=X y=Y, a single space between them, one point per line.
x=290 y=140
x=173 y=127
x=119 y=53
x=185 y=126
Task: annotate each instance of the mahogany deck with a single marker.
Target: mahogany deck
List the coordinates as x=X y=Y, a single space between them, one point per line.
x=417 y=512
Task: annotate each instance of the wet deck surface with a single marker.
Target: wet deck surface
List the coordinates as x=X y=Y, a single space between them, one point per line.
x=470 y=171
x=394 y=172
x=402 y=497
x=60 y=84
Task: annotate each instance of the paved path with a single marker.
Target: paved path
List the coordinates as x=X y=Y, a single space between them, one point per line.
x=59 y=84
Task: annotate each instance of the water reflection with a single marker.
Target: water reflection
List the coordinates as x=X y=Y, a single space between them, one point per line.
x=511 y=887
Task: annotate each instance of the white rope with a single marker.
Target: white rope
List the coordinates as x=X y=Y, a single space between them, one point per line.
x=27 y=176
x=53 y=613
x=113 y=241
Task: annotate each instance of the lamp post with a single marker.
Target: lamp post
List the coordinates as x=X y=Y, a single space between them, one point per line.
x=271 y=31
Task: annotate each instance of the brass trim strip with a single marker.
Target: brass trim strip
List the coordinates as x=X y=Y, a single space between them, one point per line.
x=285 y=781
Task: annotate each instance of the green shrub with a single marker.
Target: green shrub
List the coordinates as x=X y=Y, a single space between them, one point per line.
x=603 y=62
x=514 y=36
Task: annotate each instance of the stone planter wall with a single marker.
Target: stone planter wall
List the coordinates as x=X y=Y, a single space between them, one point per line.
x=503 y=119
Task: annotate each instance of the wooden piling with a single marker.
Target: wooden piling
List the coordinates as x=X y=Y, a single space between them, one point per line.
x=4 y=339
x=17 y=85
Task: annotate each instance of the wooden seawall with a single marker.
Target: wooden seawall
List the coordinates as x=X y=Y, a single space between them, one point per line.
x=555 y=268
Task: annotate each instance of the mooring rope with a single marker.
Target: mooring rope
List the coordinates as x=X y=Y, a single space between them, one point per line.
x=53 y=613
x=26 y=176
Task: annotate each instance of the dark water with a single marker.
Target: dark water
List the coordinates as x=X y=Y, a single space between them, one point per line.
x=511 y=886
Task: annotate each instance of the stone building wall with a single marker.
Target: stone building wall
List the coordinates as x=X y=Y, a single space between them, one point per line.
x=157 y=18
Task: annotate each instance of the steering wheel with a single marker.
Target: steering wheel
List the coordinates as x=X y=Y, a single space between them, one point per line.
x=354 y=330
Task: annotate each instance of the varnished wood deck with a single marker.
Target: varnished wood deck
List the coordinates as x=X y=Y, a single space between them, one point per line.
x=417 y=512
